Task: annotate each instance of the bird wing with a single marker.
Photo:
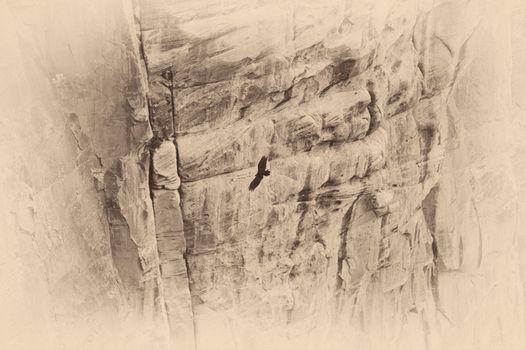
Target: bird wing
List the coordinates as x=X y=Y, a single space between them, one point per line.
x=262 y=165
x=255 y=183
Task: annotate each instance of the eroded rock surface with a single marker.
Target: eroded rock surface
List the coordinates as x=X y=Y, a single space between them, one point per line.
x=379 y=172
x=391 y=218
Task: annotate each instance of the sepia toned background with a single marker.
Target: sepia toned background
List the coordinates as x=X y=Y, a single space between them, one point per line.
x=394 y=216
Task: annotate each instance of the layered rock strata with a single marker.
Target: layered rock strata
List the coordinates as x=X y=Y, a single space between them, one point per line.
x=391 y=218
x=359 y=107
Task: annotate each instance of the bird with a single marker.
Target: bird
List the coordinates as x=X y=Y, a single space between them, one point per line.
x=262 y=171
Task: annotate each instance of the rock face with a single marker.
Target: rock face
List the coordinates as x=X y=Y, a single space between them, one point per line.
x=391 y=218
x=80 y=258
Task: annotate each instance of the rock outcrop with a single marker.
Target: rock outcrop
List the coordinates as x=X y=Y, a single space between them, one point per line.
x=392 y=217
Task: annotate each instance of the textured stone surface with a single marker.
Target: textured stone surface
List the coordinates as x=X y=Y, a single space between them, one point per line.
x=373 y=157
x=392 y=218
x=171 y=244
x=80 y=264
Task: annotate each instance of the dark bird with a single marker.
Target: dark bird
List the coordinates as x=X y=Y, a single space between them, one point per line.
x=262 y=171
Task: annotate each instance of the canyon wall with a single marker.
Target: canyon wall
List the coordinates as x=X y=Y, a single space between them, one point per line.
x=392 y=216
x=79 y=260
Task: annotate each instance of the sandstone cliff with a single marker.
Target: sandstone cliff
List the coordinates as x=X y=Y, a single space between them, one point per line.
x=392 y=218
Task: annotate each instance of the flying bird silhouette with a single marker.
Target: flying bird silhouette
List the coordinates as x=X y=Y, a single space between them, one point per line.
x=262 y=171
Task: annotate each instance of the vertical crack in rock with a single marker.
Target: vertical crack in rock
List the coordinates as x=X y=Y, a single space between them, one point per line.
x=429 y=205
x=128 y=203
x=479 y=229
x=164 y=192
x=342 y=252
x=171 y=242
